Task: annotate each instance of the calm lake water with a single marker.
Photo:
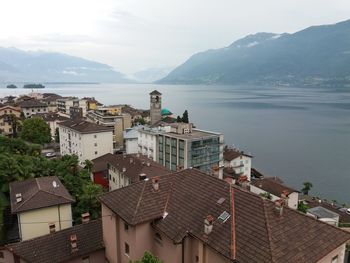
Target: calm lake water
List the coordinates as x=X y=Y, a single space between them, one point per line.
x=297 y=134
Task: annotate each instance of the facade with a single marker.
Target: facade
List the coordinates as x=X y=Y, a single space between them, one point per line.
x=126 y=169
x=112 y=118
x=64 y=105
x=78 y=244
x=99 y=173
x=51 y=100
x=52 y=119
x=85 y=139
x=131 y=136
x=239 y=162
x=155 y=106
x=190 y=216
x=32 y=106
x=42 y=205
x=148 y=142
x=274 y=189
x=324 y=215
x=7 y=113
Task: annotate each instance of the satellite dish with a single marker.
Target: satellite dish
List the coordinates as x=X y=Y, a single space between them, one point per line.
x=54 y=184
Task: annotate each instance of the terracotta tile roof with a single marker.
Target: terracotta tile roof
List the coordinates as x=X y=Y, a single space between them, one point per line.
x=83 y=126
x=231 y=154
x=272 y=185
x=51 y=116
x=137 y=164
x=31 y=103
x=155 y=92
x=253 y=232
x=56 y=247
x=101 y=163
x=38 y=193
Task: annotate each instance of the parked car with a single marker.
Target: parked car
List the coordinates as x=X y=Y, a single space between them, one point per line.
x=50 y=154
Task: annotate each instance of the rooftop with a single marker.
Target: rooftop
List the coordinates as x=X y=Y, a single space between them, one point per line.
x=51 y=116
x=38 y=193
x=56 y=247
x=155 y=92
x=272 y=185
x=322 y=212
x=231 y=154
x=246 y=227
x=31 y=103
x=83 y=126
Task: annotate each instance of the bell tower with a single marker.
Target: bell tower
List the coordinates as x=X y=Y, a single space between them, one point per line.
x=155 y=106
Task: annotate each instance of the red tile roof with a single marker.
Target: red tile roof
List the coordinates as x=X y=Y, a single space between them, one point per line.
x=272 y=185
x=253 y=228
x=231 y=154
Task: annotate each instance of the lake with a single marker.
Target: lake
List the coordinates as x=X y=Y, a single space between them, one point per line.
x=297 y=134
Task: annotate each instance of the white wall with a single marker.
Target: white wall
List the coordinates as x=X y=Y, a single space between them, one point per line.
x=131 y=146
x=147 y=145
x=241 y=164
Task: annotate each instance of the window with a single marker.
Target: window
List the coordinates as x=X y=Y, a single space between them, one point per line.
x=126 y=226
x=127 y=249
x=95 y=152
x=335 y=259
x=95 y=144
x=95 y=136
x=86 y=259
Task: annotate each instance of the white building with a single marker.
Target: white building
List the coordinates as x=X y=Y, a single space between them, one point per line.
x=131 y=140
x=64 y=105
x=239 y=162
x=147 y=142
x=273 y=189
x=85 y=139
x=32 y=106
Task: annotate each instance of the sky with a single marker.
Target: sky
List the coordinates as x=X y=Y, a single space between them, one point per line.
x=133 y=35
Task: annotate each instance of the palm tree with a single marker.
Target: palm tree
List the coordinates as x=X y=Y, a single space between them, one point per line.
x=88 y=165
x=307 y=187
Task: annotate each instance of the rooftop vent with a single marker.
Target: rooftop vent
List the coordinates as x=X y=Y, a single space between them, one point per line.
x=221 y=200
x=148 y=164
x=224 y=216
x=85 y=218
x=18 y=197
x=279 y=206
x=142 y=176
x=73 y=242
x=52 y=228
x=155 y=183
x=208 y=224
x=124 y=169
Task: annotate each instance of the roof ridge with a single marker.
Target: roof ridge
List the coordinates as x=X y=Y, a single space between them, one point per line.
x=268 y=229
x=25 y=201
x=45 y=191
x=233 y=224
x=139 y=201
x=37 y=183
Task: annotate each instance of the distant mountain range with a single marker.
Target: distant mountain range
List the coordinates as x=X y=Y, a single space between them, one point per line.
x=318 y=55
x=152 y=74
x=27 y=66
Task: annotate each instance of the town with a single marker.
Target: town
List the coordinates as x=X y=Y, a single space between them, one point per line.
x=86 y=182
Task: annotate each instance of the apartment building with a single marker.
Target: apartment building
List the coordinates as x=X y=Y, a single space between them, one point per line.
x=112 y=117
x=189 y=216
x=80 y=243
x=126 y=169
x=42 y=205
x=31 y=107
x=131 y=137
x=9 y=115
x=85 y=139
x=65 y=104
x=238 y=163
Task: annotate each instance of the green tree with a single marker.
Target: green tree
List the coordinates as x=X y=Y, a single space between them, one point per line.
x=15 y=124
x=35 y=130
x=178 y=119
x=266 y=195
x=148 y=258
x=302 y=207
x=57 y=135
x=307 y=187
x=140 y=121
x=185 y=117
x=88 y=165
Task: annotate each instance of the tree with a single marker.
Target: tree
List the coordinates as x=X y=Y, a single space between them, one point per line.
x=266 y=195
x=15 y=124
x=178 y=119
x=307 y=187
x=35 y=130
x=185 y=117
x=57 y=135
x=302 y=207
x=140 y=121
x=88 y=165
x=148 y=258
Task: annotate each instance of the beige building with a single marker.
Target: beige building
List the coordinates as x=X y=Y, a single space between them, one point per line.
x=7 y=112
x=51 y=100
x=112 y=117
x=85 y=139
x=78 y=244
x=125 y=169
x=190 y=216
x=32 y=106
x=42 y=205
x=65 y=104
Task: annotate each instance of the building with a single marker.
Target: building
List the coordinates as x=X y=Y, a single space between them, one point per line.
x=189 y=216
x=80 y=243
x=92 y=103
x=51 y=100
x=131 y=137
x=324 y=215
x=238 y=162
x=113 y=118
x=64 y=105
x=9 y=116
x=85 y=139
x=155 y=106
x=41 y=204
x=31 y=107
x=274 y=189
x=52 y=119
x=126 y=169
x=99 y=173
x=148 y=141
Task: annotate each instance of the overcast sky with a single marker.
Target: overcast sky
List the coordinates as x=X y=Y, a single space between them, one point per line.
x=133 y=35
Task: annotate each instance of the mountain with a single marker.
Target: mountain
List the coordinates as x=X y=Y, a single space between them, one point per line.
x=152 y=74
x=27 y=66
x=318 y=55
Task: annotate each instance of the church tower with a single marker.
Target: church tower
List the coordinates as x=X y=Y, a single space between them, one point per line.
x=155 y=106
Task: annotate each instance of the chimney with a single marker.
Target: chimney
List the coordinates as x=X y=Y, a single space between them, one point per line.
x=285 y=194
x=279 y=206
x=155 y=183
x=208 y=224
x=73 y=242
x=85 y=218
x=18 y=198
x=52 y=228
x=148 y=164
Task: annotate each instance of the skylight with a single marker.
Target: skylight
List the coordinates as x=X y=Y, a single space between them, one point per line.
x=224 y=216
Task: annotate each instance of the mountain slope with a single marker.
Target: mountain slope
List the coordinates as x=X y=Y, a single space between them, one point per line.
x=316 y=55
x=17 y=65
